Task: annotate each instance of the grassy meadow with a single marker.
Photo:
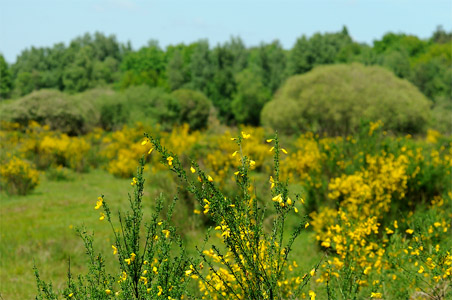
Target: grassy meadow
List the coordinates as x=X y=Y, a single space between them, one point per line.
x=364 y=195
x=317 y=172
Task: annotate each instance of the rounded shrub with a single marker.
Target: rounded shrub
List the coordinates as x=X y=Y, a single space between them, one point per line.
x=336 y=99
x=194 y=108
x=55 y=109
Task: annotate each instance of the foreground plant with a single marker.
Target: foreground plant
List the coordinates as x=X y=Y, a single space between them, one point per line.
x=251 y=262
x=149 y=267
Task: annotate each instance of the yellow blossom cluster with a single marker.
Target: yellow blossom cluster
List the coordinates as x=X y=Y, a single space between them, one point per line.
x=223 y=157
x=228 y=280
x=18 y=176
x=369 y=192
x=305 y=161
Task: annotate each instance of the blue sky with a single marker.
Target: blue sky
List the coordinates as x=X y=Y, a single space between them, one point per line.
x=26 y=23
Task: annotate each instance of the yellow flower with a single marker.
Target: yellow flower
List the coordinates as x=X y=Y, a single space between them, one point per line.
x=389 y=231
x=192 y=170
x=99 y=202
x=324 y=243
x=166 y=232
x=295 y=209
x=312 y=273
x=252 y=163
x=144 y=142
x=150 y=150
x=144 y=280
x=108 y=292
x=367 y=270
x=102 y=217
x=234 y=154
x=376 y=295
x=312 y=295
x=115 y=250
x=245 y=135
x=124 y=275
x=269 y=140
x=70 y=295
x=134 y=181
x=272 y=182
x=160 y=290
x=437 y=224
x=409 y=231
x=197 y=211
x=306 y=225
x=170 y=160
x=421 y=270
x=210 y=178
x=277 y=198
x=132 y=256
x=284 y=150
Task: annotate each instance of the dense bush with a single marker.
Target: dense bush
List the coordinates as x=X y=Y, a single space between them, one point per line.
x=335 y=99
x=152 y=104
x=194 y=108
x=52 y=108
x=113 y=115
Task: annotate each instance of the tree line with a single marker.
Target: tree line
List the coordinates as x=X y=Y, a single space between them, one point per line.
x=238 y=80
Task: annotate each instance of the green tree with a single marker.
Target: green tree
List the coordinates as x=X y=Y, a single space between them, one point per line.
x=398 y=62
x=317 y=50
x=175 y=71
x=5 y=79
x=269 y=61
x=440 y=36
x=77 y=76
x=146 y=66
x=105 y=72
x=228 y=60
x=250 y=97
x=201 y=68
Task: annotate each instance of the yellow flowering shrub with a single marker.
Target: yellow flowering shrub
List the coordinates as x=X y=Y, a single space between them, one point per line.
x=227 y=279
x=223 y=157
x=18 y=176
x=61 y=149
x=432 y=136
x=181 y=140
x=307 y=159
x=123 y=148
x=370 y=191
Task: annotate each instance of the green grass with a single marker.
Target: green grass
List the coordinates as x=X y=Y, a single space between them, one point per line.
x=40 y=229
